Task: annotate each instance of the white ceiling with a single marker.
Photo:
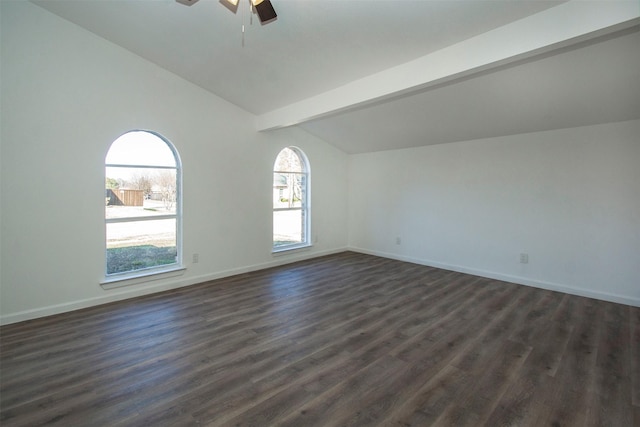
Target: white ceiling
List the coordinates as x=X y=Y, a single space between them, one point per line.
x=317 y=47
x=597 y=83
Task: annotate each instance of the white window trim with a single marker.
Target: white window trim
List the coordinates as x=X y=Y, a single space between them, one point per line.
x=305 y=207
x=119 y=280
x=292 y=247
x=116 y=280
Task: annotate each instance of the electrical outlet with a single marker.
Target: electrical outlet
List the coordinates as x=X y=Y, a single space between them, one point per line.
x=398 y=240
x=524 y=258
x=195 y=258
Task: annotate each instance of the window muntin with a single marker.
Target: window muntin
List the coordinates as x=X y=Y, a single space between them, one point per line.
x=290 y=200
x=142 y=205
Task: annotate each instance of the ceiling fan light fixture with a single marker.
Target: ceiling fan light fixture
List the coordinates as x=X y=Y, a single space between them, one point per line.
x=232 y=5
x=263 y=8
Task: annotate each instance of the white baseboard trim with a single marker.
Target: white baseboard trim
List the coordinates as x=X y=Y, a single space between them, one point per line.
x=605 y=296
x=154 y=286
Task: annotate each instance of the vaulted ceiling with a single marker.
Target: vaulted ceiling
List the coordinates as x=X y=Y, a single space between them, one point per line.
x=385 y=74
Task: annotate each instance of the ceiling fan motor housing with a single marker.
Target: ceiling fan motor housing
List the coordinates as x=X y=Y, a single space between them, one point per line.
x=187 y=2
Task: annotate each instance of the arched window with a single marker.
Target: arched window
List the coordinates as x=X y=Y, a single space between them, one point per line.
x=142 y=205
x=290 y=200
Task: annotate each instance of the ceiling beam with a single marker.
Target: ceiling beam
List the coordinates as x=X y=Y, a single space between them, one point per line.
x=555 y=28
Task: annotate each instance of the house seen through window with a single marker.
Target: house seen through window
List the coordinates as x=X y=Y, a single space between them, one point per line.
x=290 y=200
x=142 y=204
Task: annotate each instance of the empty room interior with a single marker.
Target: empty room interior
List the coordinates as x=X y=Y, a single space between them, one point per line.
x=320 y=213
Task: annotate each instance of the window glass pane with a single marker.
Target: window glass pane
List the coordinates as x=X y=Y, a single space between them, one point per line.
x=134 y=192
x=149 y=208
x=140 y=148
x=288 y=190
x=287 y=227
x=288 y=160
x=135 y=245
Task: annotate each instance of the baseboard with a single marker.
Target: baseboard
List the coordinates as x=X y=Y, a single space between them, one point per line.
x=119 y=294
x=605 y=296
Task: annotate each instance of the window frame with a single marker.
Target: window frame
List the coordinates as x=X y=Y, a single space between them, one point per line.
x=148 y=273
x=305 y=202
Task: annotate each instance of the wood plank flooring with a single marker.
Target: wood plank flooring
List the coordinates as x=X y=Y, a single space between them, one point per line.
x=342 y=340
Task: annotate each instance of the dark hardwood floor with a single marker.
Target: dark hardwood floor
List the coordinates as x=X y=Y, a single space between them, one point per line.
x=342 y=340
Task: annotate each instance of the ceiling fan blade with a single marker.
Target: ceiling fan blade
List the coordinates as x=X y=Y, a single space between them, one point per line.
x=265 y=11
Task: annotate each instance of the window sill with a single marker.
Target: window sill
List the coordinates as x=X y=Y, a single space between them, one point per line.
x=292 y=248
x=118 y=281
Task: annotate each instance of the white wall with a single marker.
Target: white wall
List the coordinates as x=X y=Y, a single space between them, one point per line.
x=66 y=95
x=570 y=199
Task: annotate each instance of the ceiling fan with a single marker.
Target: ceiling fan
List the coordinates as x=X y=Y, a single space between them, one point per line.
x=263 y=8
